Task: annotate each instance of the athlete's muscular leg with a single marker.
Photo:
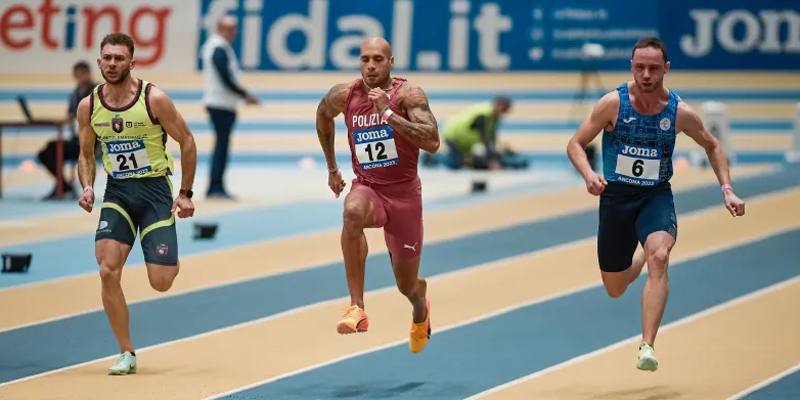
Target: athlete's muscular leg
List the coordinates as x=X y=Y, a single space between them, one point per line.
x=656 y=290
x=161 y=276
x=111 y=256
x=359 y=213
x=616 y=283
x=410 y=285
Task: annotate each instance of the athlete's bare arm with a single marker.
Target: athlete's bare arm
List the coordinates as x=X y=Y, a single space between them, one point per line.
x=689 y=122
x=331 y=105
x=603 y=116
x=173 y=123
x=420 y=128
x=86 y=161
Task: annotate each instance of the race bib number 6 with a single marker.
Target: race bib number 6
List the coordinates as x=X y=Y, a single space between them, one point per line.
x=375 y=148
x=128 y=158
x=638 y=165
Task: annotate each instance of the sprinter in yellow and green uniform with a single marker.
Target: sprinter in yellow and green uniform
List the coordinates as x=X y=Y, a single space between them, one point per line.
x=139 y=191
x=131 y=120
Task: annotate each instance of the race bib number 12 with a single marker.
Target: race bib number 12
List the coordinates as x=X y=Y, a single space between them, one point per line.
x=375 y=147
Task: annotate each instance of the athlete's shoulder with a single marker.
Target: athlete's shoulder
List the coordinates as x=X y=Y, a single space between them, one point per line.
x=340 y=91
x=683 y=108
x=410 y=94
x=335 y=100
x=154 y=92
x=611 y=97
x=157 y=99
x=686 y=117
x=609 y=103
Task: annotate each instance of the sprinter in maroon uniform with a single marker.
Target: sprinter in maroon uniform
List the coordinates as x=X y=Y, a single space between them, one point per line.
x=388 y=121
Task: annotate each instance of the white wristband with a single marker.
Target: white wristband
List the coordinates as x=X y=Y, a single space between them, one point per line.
x=386 y=114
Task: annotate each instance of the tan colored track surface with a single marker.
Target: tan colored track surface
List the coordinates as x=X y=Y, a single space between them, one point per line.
x=80 y=293
x=712 y=357
x=257 y=351
x=305 y=111
x=532 y=142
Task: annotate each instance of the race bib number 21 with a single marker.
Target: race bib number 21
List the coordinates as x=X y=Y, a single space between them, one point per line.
x=375 y=148
x=128 y=158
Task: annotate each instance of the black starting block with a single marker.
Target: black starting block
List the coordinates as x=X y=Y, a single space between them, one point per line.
x=16 y=262
x=204 y=231
x=479 y=186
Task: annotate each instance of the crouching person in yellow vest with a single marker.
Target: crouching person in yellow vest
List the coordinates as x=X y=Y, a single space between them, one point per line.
x=471 y=136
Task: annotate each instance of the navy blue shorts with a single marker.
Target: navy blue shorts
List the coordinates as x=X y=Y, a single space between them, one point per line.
x=142 y=205
x=628 y=214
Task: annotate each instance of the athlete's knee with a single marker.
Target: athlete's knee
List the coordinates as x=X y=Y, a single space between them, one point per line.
x=109 y=273
x=658 y=258
x=355 y=215
x=407 y=288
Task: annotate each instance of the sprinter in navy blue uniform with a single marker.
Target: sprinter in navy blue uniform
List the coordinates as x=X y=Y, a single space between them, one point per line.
x=640 y=120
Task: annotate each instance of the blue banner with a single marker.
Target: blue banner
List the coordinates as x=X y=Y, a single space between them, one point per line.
x=484 y=35
x=721 y=34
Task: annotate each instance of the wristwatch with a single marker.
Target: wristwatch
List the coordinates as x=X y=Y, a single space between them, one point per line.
x=186 y=192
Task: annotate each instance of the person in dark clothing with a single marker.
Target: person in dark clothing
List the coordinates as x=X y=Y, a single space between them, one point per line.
x=222 y=94
x=47 y=156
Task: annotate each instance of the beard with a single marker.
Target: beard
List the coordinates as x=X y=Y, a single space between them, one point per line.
x=376 y=81
x=122 y=75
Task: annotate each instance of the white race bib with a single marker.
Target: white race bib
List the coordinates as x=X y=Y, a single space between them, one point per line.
x=375 y=147
x=128 y=158
x=638 y=165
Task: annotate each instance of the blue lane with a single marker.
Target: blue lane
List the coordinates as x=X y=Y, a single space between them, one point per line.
x=73 y=340
x=527 y=95
x=238 y=227
x=75 y=254
x=470 y=359
x=545 y=157
x=786 y=388
x=13 y=208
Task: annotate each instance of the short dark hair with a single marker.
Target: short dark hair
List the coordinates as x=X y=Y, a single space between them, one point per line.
x=117 y=38
x=80 y=66
x=503 y=100
x=653 y=42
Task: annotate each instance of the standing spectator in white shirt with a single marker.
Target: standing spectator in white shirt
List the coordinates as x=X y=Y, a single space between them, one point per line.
x=222 y=94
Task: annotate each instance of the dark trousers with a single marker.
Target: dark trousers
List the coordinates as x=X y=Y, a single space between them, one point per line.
x=222 y=121
x=48 y=157
x=455 y=158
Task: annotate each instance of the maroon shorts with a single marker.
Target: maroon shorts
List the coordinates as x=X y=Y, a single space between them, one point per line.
x=398 y=209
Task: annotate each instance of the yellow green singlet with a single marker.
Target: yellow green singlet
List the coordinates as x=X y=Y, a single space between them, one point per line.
x=132 y=140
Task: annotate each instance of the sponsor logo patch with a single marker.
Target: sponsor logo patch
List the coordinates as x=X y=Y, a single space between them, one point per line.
x=664 y=124
x=116 y=124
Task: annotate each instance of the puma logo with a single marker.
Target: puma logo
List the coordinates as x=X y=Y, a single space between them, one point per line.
x=628 y=120
x=410 y=247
